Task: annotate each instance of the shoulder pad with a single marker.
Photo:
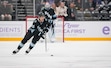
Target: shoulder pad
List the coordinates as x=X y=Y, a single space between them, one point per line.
x=42 y=8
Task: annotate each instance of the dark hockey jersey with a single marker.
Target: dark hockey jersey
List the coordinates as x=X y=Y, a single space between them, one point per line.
x=39 y=26
x=49 y=13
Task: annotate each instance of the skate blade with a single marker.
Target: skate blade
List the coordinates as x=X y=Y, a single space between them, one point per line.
x=14 y=53
x=26 y=53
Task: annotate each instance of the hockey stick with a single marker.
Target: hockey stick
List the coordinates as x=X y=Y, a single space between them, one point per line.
x=45 y=43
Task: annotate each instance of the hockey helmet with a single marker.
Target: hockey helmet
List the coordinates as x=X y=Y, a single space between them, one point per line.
x=47 y=5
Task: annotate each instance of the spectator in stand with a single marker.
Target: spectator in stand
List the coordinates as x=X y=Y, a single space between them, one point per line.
x=62 y=10
x=54 y=7
x=67 y=2
x=6 y=13
x=39 y=5
x=96 y=4
x=79 y=5
x=71 y=12
x=89 y=5
x=57 y=2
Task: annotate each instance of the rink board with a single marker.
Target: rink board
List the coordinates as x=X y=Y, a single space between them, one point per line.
x=73 y=30
x=87 y=30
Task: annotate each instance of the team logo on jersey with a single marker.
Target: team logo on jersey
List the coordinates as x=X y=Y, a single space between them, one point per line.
x=46 y=13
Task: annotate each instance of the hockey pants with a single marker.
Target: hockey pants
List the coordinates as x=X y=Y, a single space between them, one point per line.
x=27 y=37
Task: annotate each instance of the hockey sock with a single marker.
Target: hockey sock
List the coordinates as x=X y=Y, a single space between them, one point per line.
x=30 y=47
x=20 y=46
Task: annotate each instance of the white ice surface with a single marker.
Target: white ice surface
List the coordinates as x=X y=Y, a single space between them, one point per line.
x=77 y=54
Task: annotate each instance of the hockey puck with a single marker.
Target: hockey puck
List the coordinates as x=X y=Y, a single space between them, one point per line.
x=51 y=55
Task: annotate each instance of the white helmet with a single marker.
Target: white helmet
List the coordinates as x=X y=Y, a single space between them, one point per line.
x=47 y=5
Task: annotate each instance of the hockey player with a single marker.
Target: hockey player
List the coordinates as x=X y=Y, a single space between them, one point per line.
x=37 y=30
x=50 y=15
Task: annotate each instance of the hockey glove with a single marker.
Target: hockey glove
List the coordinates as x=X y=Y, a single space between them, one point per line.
x=41 y=34
x=45 y=30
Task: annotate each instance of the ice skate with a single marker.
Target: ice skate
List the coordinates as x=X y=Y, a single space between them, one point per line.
x=52 y=40
x=27 y=51
x=16 y=51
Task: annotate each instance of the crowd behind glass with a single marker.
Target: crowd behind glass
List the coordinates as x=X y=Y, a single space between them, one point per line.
x=71 y=10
